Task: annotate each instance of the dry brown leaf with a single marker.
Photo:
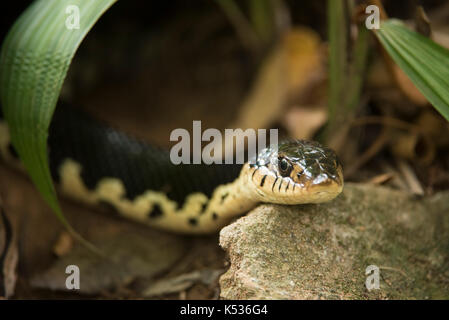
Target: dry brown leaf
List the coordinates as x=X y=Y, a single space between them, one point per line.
x=63 y=245
x=303 y=122
x=403 y=82
x=9 y=257
x=441 y=37
x=304 y=58
x=294 y=65
x=182 y=282
x=435 y=126
x=381 y=178
x=409 y=175
x=397 y=180
x=407 y=87
x=422 y=22
x=414 y=147
x=131 y=255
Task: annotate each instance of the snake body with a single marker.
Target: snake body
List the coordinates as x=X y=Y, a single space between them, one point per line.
x=99 y=165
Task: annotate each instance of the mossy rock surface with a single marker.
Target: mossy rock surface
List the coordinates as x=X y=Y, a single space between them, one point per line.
x=322 y=251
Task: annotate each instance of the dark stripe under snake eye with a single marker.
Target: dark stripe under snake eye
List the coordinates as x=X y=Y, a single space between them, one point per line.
x=255 y=170
x=280 y=184
x=263 y=180
x=272 y=188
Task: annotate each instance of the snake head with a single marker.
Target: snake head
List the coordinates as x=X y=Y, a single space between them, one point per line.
x=296 y=172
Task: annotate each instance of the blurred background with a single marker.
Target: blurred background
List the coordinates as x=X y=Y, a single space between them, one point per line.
x=148 y=67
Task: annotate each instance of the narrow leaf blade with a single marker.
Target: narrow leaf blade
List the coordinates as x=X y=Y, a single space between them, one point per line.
x=425 y=62
x=34 y=60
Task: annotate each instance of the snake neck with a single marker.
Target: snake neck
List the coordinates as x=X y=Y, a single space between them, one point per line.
x=202 y=215
x=232 y=199
x=199 y=214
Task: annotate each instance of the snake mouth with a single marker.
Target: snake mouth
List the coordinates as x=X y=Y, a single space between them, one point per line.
x=270 y=187
x=297 y=172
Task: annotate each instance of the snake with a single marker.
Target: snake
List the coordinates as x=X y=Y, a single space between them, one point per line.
x=99 y=165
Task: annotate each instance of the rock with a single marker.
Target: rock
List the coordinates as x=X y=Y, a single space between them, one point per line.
x=322 y=251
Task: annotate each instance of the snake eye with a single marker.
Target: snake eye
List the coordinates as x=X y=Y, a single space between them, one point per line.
x=284 y=167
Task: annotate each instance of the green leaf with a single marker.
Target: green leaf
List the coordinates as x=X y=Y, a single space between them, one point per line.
x=262 y=17
x=34 y=60
x=425 y=62
x=337 y=32
x=242 y=27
